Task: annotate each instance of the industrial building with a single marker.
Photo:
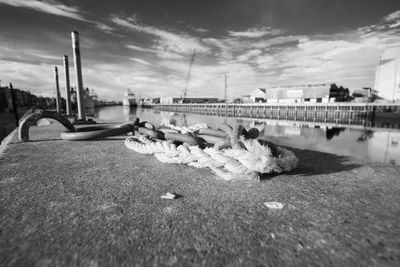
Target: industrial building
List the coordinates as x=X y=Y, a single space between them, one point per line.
x=303 y=93
x=387 y=76
x=258 y=95
x=187 y=100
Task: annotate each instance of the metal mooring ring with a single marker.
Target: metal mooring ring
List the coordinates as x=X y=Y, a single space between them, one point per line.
x=99 y=132
x=28 y=121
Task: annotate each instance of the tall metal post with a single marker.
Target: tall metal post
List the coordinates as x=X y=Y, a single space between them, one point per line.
x=226 y=94
x=14 y=104
x=67 y=87
x=226 y=88
x=58 y=98
x=78 y=75
x=396 y=81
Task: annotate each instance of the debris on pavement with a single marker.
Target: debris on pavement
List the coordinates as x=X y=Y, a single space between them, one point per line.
x=274 y=205
x=169 y=195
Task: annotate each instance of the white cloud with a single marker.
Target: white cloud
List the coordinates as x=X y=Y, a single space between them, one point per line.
x=50 y=7
x=29 y=56
x=395 y=16
x=222 y=46
x=348 y=58
x=321 y=59
x=141 y=61
x=160 y=52
x=255 y=33
x=208 y=80
x=141 y=49
x=58 y=9
x=169 y=43
x=48 y=56
x=18 y=73
x=198 y=29
x=393 y=20
x=250 y=54
x=253 y=58
x=278 y=41
x=388 y=26
x=103 y=27
x=230 y=49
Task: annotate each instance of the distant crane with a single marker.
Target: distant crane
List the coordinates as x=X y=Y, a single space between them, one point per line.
x=184 y=91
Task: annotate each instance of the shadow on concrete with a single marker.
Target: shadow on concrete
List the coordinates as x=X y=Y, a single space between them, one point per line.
x=111 y=138
x=44 y=140
x=316 y=163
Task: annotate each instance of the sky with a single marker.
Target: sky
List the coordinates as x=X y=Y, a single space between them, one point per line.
x=146 y=45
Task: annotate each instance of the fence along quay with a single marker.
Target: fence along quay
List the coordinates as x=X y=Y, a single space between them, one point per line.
x=338 y=113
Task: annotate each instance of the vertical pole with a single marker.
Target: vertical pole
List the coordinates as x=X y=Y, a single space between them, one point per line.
x=67 y=86
x=226 y=95
x=14 y=104
x=58 y=98
x=395 y=86
x=78 y=74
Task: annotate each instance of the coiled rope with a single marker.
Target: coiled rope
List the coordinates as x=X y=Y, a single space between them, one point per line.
x=238 y=158
x=231 y=152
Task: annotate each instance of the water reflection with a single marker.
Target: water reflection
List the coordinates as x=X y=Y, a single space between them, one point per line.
x=373 y=144
x=335 y=131
x=384 y=147
x=367 y=134
x=129 y=113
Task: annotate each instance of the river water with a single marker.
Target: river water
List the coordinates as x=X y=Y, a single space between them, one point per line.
x=371 y=144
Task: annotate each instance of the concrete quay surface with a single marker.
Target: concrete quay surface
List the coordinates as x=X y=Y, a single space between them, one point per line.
x=97 y=203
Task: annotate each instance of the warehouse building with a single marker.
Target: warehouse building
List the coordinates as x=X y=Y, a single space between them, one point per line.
x=258 y=95
x=188 y=100
x=313 y=93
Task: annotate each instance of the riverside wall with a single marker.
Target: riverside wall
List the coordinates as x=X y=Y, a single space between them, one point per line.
x=339 y=113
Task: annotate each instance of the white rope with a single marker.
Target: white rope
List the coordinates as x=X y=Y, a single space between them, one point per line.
x=184 y=129
x=228 y=163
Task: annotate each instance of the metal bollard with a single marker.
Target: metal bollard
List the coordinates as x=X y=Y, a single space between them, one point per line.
x=67 y=87
x=58 y=98
x=78 y=74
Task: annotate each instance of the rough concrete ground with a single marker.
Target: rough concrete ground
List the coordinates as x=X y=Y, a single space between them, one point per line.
x=96 y=203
